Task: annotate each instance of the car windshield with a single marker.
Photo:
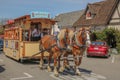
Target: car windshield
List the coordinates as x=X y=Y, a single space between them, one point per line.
x=98 y=43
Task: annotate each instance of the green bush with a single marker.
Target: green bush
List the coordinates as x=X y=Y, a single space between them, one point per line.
x=100 y=35
x=107 y=34
x=118 y=47
x=117 y=34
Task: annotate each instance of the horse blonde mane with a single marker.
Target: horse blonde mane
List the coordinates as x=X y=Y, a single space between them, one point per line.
x=62 y=33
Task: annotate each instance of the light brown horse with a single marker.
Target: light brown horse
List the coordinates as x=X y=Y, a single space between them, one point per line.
x=64 y=37
x=54 y=47
x=77 y=44
x=49 y=44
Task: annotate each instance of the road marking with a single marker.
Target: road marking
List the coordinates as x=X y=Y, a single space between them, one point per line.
x=27 y=76
x=84 y=76
x=113 y=59
x=88 y=77
x=98 y=76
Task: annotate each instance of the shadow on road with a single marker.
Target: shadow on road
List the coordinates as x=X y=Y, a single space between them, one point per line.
x=71 y=71
x=30 y=62
x=1 y=52
x=98 y=57
x=1 y=68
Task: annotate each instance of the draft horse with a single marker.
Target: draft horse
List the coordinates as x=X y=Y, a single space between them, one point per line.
x=51 y=44
x=77 y=40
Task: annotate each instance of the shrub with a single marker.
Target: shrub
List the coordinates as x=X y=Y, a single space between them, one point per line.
x=101 y=35
x=117 y=34
x=107 y=34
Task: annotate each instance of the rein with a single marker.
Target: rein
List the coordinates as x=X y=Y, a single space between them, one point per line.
x=43 y=50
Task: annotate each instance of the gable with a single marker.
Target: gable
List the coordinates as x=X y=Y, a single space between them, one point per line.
x=103 y=12
x=116 y=15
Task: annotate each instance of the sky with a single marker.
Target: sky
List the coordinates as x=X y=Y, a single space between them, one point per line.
x=17 y=8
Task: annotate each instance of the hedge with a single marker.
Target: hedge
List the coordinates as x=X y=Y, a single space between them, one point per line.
x=106 y=34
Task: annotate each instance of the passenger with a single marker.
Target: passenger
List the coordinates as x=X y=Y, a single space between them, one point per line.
x=26 y=36
x=55 y=30
x=35 y=34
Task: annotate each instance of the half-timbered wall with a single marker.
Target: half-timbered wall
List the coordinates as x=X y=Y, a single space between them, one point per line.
x=115 y=20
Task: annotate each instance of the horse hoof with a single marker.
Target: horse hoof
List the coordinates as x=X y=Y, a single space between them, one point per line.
x=49 y=69
x=61 y=69
x=67 y=67
x=41 y=67
x=56 y=75
x=79 y=74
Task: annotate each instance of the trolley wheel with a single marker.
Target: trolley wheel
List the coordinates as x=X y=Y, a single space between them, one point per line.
x=21 y=60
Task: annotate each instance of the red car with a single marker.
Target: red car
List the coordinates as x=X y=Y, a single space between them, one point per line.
x=98 y=48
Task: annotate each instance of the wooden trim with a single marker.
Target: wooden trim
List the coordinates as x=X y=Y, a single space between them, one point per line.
x=115 y=18
x=118 y=11
x=23 y=53
x=117 y=23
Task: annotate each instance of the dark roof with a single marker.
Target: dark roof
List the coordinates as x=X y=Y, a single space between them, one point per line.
x=22 y=17
x=103 y=11
x=68 y=19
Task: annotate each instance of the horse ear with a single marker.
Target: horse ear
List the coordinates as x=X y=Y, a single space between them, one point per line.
x=67 y=30
x=83 y=29
x=80 y=29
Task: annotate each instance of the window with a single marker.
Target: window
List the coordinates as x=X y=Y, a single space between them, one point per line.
x=88 y=15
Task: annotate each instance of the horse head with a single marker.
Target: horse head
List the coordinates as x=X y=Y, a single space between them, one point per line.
x=81 y=37
x=64 y=38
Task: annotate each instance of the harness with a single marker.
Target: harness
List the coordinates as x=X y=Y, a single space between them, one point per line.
x=75 y=42
x=64 y=41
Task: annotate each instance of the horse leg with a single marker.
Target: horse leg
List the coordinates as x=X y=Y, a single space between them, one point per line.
x=41 y=61
x=55 y=64
x=65 y=62
x=77 y=59
x=49 y=60
x=77 y=67
x=59 y=61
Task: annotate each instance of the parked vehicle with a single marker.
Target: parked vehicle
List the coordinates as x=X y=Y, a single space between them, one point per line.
x=98 y=48
x=1 y=44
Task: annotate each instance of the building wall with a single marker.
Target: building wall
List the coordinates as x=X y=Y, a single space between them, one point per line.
x=115 y=20
x=98 y=28
x=116 y=15
x=117 y=27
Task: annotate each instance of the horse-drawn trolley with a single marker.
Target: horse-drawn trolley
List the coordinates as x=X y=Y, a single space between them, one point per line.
x=21 y=37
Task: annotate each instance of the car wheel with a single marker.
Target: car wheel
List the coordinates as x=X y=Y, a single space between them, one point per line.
x=88 y=56
x=108 y=55
x=21 y=60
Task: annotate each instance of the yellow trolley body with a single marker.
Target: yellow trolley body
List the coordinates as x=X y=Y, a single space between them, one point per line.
x=16 y=48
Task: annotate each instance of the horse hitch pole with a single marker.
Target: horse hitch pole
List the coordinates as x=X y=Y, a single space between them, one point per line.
x=42 y=51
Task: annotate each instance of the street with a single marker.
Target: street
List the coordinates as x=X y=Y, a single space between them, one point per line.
x=91 y=69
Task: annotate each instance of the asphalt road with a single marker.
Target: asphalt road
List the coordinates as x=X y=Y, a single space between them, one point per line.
x=91 y=69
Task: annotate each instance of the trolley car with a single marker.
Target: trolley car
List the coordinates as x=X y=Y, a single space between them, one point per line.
x=18 y=43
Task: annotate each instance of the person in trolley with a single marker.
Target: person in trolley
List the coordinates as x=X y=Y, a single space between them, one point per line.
x=35 y=34
x=55 y=30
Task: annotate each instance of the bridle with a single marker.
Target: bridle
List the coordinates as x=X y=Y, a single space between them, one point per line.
x=82 y=34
